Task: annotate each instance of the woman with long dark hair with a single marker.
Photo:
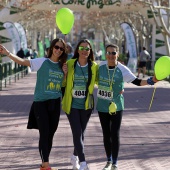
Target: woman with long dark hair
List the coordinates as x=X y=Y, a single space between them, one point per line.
x=51 y=72
x=78 y=98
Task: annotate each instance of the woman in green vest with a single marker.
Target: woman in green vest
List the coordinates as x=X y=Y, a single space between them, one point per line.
x=78 y=98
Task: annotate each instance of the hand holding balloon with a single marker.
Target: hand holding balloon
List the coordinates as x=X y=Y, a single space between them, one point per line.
x=155 y=79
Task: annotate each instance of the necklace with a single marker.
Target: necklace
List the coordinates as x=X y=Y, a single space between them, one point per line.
x=110 y=80
x=82 y=72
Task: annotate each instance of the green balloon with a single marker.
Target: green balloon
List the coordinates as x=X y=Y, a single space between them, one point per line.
x=65 y=20
x=162 y=67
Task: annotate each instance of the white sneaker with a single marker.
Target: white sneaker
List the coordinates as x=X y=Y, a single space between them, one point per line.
x=75 y=162
x=108 y=166
x=83 y=166
x=114 y=167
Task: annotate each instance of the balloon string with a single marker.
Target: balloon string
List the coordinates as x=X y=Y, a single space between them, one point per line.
x=152 y=98
x=65 y=37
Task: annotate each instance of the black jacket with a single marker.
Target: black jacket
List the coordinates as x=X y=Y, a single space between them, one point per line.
x=21 y=54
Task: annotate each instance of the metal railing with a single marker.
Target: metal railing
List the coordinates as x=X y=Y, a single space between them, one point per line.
x=11 y=72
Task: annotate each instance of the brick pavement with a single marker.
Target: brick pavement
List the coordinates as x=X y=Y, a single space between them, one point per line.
x=145 y=135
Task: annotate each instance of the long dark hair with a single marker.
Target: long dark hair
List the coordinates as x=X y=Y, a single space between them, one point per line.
x=63 y=56
x=91 y=55
x=90 y=58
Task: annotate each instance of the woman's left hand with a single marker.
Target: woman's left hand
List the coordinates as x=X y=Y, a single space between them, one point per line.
x=154 y=79
x=121 y=92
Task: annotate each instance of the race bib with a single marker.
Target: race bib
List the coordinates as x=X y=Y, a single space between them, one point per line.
x=79 y=92
x=105 y=94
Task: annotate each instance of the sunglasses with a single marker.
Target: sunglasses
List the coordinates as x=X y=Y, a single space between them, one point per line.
x=57 y=47
x=81 y=48
x=109 y=53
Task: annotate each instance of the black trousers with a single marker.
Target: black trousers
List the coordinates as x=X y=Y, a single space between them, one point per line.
x=47 y=114
x=78 y=119
x=111 y=126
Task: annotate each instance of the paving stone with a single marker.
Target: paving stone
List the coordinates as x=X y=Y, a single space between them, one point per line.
x=145 y=135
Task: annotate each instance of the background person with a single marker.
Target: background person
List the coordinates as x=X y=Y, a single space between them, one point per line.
x=78 y=101
x=111 y=77
x=27 y=53
x=143 y=58
x=51 y=71
x=99 y=54
x=20 y=53
x=30 y=51
x=35 y=54
x=46 y=51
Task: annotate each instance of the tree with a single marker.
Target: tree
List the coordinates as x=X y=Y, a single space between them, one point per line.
x=160 y=10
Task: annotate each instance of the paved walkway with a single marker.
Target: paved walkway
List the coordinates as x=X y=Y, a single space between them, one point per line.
x=145 y=135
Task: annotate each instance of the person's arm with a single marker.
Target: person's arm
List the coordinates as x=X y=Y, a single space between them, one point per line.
x=24 y=62
x=149 y=56
x=65 y=70
x=149 y=81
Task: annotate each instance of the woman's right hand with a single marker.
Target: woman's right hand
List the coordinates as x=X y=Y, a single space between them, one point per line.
x=3 y=50
x=15 y=58
x=121 y=92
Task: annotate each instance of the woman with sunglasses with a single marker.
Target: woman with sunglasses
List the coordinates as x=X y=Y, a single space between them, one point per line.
x=78 y=98
x=51 y=72
x=110 y=102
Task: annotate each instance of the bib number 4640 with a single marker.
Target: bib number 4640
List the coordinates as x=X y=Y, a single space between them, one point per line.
x=79 y=93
